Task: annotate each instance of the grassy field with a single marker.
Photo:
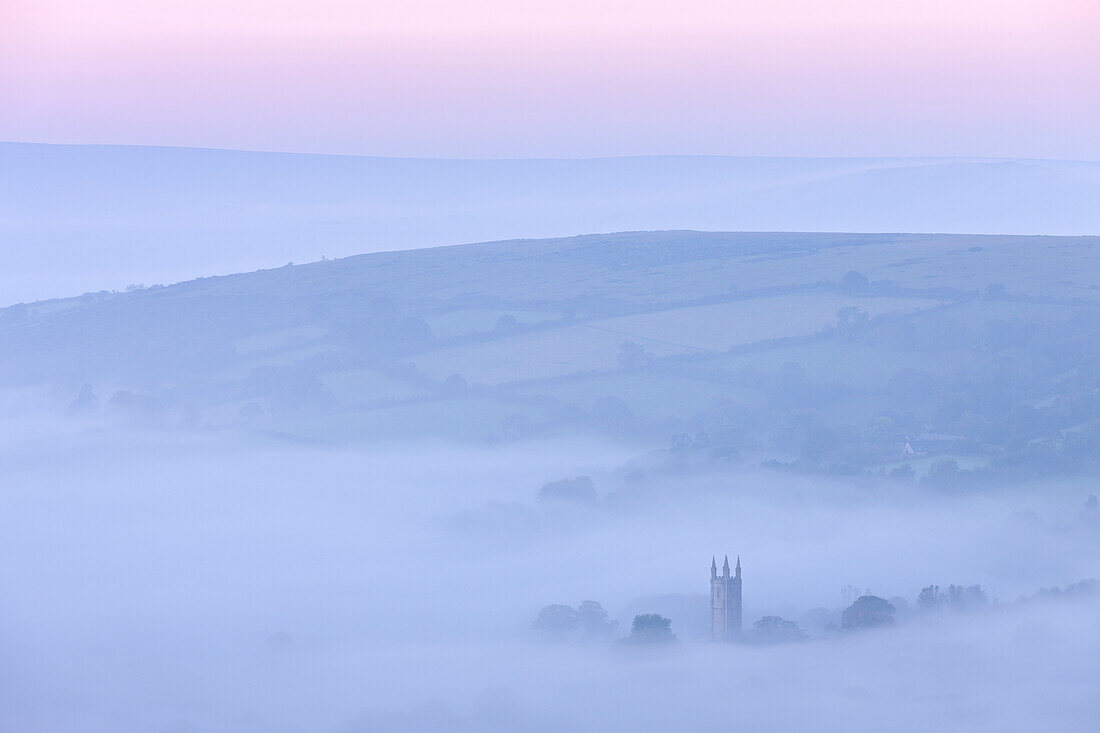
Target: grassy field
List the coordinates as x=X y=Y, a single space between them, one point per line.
x=652 y=397
x=705 y=329
x=480 y=320
x=726 y=325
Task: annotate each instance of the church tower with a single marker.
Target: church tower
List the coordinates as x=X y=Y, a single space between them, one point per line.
x=725 y=602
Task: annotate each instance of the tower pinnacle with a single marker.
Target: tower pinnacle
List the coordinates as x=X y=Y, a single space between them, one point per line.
x=726 y=567
x=738 y=569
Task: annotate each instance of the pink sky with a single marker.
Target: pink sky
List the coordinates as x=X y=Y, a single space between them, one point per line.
x=567 y=78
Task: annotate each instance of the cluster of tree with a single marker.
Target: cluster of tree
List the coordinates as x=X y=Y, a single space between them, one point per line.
x=586 y=622
x=864 y=611
x=956 y=598
x=775 y=630
x=1024 y=402
x=868 y=612
x=1083 y=589
x=649 y=630
x=589 y=622
x=128 y=406
x=577 y=490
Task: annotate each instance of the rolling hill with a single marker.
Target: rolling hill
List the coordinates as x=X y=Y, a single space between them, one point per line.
x=820 y=351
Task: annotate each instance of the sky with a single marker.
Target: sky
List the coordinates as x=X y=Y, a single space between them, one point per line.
x=570 y=78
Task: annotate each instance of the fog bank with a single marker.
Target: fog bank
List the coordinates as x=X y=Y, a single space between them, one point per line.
x=189 y=582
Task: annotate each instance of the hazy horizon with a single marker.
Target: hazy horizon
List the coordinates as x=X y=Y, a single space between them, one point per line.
x=79 y=218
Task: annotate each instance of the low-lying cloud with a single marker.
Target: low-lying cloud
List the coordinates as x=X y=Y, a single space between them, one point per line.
x=198 y=582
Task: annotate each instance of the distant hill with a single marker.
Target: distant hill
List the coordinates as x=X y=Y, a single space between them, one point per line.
x=819 y=352
x=79 y=218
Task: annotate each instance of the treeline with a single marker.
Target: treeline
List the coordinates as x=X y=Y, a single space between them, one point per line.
x=589 y=622
x=1024 y=402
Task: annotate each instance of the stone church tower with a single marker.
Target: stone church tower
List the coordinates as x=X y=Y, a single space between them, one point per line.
x=725 y=602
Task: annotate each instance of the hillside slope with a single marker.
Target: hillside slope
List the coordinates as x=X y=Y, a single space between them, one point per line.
x=826 y=351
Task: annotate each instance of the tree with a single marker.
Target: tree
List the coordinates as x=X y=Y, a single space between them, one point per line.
x=868 y=612
x=594 y=621
x=854 y=282
x=588 y=621
x=966 y=598
x=84 y=403
x=651 y=628
x=929 y=598
x=557 y=621
x=578 y=489
x=943 y=474
x=776 y=630
x=851 y=321
x=456 y=386
x=904 y=472
x=957 y=598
